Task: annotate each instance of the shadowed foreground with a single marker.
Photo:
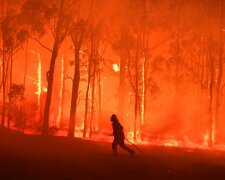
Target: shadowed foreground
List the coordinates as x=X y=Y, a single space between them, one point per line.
x=44 y=158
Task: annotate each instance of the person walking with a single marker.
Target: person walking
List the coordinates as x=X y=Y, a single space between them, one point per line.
x=119 y=137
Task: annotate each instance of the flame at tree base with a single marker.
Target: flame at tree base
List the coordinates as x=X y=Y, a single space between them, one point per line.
x=162 y=141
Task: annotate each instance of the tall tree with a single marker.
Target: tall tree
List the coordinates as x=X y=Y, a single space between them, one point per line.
x=61 y=30
x=77 y=35
x=13 y=36
x=219 y=68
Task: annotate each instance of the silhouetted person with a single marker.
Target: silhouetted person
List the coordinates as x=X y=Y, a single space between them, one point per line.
x=119 y=136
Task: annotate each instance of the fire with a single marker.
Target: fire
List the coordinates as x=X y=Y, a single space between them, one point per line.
x=38 y=82
x=166 y=71
x=116 y=67
x=206 y=138
x=45 y=89
x=143 y=92
x=213 y=129
x=171 y=142
x=61 y=92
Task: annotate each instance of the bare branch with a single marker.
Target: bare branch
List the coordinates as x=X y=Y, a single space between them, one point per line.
x=37 y=40
x=51 y=29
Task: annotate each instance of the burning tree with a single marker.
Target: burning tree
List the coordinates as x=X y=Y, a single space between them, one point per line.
x=14 y=36
x=77 y=35
x=16 y=108
x=167 y=58
x=39 y=15
x=61 y=30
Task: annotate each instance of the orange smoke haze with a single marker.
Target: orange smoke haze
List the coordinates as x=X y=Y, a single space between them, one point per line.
x=150 y=63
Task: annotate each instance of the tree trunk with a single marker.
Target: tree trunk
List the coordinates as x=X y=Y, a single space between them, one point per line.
x=63 y=91
x=5 y=71
x=50 y=74
x=177 y=69
x=50 y=78
x=10 y=84
x=211 y=85
x=4 y=59
x=62 y=79
x=86 y=99
x=3 y=87
x=75 y=87
x=220 y=73
x=4 y=8
x=136 y=91
x=121 y=103
x=94 y=59
x=87 y=91
x=92 y=104
x=100 y=88
x=24 y=84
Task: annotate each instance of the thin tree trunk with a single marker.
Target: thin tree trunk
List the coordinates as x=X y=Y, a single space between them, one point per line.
x=87 y=91
x=76 y=81
x=24 y=84
x=4 y=59
x=86 y=99
x=77 y=41
x=92 y=103
x=136 y=91
x=3 y=88
x=89 y=72
x=100 y=88
x=5 y=65
x=220 y=72
x=211 y=85
x=62 y=79
x=10 y=84
x=121 y=103
x=63 y=91
x=177 y=69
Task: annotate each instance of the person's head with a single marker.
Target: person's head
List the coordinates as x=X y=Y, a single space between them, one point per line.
x=114 y=118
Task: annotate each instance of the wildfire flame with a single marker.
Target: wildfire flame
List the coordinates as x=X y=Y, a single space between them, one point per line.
x=116 y=67
x=45 y=89
x=61 y=92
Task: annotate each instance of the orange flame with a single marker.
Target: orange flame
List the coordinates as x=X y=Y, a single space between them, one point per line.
x=116 y=67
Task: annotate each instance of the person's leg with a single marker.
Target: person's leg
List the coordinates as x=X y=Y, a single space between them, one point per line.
x=114 y=147
x=124 y=147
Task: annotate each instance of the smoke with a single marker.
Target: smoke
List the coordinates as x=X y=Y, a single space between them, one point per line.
x=181 y=115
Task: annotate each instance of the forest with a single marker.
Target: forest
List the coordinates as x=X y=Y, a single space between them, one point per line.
x=67 y=65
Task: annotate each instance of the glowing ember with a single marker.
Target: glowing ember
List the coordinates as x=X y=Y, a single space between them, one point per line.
x=45 y=89
x=206 y=138
x=116 y=67
x=171 y=142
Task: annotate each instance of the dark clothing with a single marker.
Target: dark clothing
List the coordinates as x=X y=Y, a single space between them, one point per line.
x=119 y=138
x=122 y=145
x=117 y=130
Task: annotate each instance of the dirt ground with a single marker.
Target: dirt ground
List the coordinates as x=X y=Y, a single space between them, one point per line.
x=28 y=157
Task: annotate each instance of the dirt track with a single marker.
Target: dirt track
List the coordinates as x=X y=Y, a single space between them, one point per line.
x=58 y=158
